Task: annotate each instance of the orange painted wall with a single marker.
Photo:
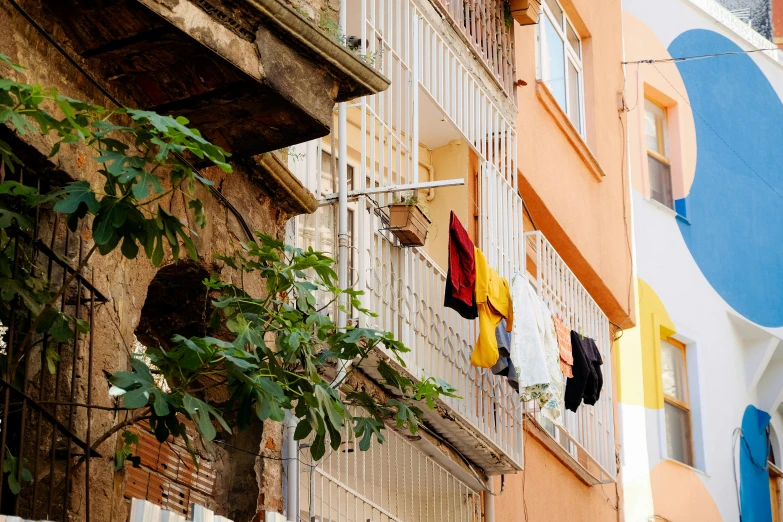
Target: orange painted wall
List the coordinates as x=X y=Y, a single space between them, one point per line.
x=777 y=22
x=586 y=219
x=552 y=492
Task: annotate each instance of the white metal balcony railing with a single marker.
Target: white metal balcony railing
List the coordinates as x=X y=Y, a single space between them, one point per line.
x=406 y=287
x=391 y=482
x=403 y=285
x=587 y=434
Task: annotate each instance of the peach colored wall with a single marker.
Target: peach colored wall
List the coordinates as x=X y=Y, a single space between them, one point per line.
x=679 y=494
x=662 y=84
x=580 y=210
x=451 y=161
x=552 y=492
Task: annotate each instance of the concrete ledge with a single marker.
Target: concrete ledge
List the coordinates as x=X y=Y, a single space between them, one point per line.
x=449 y=425
x=579 y=467
x=573 y=136
x=355 y=78
x=274 y=175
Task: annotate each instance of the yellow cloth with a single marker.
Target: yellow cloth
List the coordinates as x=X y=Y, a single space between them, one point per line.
x=493 y=300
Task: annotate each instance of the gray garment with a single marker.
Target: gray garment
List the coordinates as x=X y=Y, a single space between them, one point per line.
x=505 y=366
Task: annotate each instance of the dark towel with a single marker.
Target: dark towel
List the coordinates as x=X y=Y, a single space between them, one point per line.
x=449 y=301
x=596 y=382
x=587 y=380
x=462 y=263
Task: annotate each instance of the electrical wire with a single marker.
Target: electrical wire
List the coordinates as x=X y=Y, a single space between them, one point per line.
x=215 y=192
x=625 y=211
x=698 y=57
x=524 y=460
x=734 y=437
x=728 y=146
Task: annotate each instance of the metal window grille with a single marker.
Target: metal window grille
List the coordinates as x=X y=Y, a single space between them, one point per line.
x=39 y=426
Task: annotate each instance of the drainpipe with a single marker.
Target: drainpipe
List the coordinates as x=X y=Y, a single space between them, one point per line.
x=431 y=170
x=342 y=278
x=342 y=201
x=292 y=468
x=489 y=506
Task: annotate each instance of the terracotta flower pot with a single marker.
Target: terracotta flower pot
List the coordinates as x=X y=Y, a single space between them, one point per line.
x=409 y=224
x=525 y=12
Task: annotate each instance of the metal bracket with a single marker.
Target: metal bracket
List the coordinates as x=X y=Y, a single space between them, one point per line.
x=331 y=198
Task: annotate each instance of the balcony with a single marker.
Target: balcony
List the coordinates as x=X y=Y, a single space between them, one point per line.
x=585 y=441
x=489 y=34
x=252 y=75
x=407 y=288
x=435 y=100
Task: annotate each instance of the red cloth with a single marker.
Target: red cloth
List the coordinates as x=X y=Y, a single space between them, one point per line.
x=462 y=263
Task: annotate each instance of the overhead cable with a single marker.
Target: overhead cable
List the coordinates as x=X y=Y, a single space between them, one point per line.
x=698 y=57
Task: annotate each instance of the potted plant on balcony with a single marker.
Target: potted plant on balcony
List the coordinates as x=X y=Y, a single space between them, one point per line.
x=525 y=12
x=408 y=221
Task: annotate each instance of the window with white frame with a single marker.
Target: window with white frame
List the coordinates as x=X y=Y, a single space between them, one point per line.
x=658 y=164
x=560 y=61
x=676 y=401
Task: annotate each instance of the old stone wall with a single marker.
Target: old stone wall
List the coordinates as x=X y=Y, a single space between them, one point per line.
x=253 y=484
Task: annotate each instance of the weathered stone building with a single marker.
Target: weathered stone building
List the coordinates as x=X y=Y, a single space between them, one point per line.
x=254 y=77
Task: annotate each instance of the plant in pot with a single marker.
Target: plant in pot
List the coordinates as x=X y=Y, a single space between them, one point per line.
x=408 y=221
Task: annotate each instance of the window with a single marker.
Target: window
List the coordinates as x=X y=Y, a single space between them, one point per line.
x=319 y=230
x=657 y=153
x=677 y=410
x=560 y=61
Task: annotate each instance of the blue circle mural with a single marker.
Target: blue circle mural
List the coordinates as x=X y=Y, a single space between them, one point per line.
x=735 y=229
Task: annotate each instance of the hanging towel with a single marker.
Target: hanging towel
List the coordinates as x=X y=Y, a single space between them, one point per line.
x=462 y=265
x=546 y=328
x=493 y=300
x=596 y=382
x=528 y=352
x=527 y=349
x=564 y=343
x=449 y=301
x=504 y=366
x=754 y=471
x=587 y=380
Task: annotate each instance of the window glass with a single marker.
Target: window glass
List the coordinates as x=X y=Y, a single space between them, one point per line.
x=673 y=371
x=553 y=62
x=654 y=118
x=678 y=434
x=557 y=12
x=560 y=61
x=573 y=40
x=660 y=181
x=574 y=113
x=329 y=182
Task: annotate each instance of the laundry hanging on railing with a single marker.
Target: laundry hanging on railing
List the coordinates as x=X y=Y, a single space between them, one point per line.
x=588 y=380
x=546 y=329
x=544 y=361
x=564 y=343
x=505 y=366
x=461 y=274
x=493 y=299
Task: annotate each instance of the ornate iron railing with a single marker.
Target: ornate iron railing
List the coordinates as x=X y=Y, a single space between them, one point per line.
x=489 y=31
